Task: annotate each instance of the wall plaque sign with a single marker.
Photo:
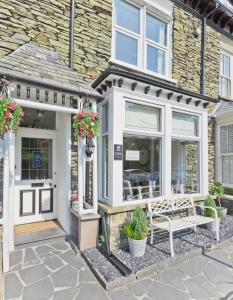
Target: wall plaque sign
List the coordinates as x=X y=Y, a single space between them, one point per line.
x=118 y=152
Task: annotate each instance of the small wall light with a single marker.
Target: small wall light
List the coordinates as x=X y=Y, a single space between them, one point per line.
x=197 y=32
x=90 y=147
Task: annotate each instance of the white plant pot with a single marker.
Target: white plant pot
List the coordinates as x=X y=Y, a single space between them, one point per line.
x=224 y=211
x=137 y=247
x=212 y=227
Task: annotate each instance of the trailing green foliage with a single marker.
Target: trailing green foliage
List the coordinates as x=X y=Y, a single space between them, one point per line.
x=137 y=228
x=217 y=189
x=209 y=201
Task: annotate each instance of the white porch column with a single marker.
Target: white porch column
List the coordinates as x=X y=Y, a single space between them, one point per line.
x=8 y=198
x=204 y=164
x=166 y=155
x=63 y=170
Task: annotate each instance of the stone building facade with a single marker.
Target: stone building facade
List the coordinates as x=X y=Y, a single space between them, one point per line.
x=47 y=24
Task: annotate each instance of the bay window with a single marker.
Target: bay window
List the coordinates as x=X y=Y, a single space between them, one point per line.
x=140 y=38
x=225 y=75
x=226 y=154
x=185 y=155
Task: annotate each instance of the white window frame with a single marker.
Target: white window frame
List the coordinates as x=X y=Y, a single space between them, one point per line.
x=143 y=41
x=223 y=52
x=220 y=155
x=191 y=139
x=117 y=129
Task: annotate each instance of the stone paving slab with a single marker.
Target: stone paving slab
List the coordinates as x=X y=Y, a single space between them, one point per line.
x=56 y=272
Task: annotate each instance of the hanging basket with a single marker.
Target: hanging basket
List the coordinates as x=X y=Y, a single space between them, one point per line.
x=86 y=124
x=10 y=115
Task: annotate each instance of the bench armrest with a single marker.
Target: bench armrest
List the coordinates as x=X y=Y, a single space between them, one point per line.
x=209 y=207
x=162 y=216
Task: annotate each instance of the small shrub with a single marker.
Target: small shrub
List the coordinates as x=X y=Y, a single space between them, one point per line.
x=217 y=189
x=137 y=228
x=209 y=201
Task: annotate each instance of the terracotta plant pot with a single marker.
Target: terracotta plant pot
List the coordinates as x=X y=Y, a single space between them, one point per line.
x=137 y=247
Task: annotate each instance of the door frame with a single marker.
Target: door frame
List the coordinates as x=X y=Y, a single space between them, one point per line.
x=33 y=133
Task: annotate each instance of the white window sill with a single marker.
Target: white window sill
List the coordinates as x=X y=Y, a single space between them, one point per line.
x=144 y=72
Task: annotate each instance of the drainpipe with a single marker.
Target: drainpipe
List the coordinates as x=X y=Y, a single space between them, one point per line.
x=203 y=48
x=72 y=9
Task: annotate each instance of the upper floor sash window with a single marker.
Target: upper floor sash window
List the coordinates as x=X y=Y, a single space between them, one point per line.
x=140 y=38
x=225 y=75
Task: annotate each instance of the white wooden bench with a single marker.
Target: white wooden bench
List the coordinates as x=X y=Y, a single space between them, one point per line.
x=161 y=206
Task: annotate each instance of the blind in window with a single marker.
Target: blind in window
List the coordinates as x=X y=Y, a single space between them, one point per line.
x=230 y=139
x=227 y=169
x=184 y=124
x=223 y=139
x=142 y=117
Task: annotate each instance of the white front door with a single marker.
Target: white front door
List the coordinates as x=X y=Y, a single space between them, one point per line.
x=35 y=175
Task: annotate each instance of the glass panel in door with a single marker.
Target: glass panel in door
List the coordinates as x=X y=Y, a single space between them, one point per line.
x=36 y=161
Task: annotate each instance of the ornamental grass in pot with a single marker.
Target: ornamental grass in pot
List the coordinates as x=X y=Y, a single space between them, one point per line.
x=209 y=201
x=136 y=230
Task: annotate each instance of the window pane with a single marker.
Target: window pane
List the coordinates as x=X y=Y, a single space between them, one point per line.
x=141 y=168
x=142 y=117
x=223 y=139
x=36 y=160
x=230 y=139
x=226 y=66
x=156 y=30
x=225 y=87
x=127 y=16
x=126 y=48
x=226 y=170
x=185 y=167
x=221 y=63
x=105 y=167
x=184 y=124
x=105 y=118
x=155 y=60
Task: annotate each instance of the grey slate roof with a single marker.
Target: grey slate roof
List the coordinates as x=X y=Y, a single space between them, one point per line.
x=43 y=67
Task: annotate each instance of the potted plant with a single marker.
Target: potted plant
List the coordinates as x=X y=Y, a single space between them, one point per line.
x=86 y=124
x=136 y=230
x=209 y=201
x=217 y=190
x=10 y=115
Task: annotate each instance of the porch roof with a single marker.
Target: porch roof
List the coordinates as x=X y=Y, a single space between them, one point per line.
x=32 y=64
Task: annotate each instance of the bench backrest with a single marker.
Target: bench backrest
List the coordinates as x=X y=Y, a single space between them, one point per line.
x=163 y=205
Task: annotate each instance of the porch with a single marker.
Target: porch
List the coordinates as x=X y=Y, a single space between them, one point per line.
x=43 y=163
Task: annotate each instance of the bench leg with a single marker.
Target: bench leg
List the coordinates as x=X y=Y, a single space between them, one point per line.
x=195 y=228
x=151 y=236
x=217 y=230
x=171 y=243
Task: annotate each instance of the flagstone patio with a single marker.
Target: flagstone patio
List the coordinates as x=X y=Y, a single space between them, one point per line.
x=54 y=271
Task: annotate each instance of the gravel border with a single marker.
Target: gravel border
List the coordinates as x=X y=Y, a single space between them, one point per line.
x=157 y=257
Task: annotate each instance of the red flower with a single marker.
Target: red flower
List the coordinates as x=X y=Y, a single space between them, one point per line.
x=8 y=114
x=11 y=106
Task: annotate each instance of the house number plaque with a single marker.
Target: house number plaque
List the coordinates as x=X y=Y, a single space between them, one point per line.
x=118 y=153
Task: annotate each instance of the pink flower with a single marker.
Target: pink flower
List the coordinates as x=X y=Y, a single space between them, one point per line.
x=8 y=114
x=21 y=113
x=74 y=197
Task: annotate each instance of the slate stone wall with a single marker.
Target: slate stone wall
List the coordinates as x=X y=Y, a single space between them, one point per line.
x=47 y=24
x=187 y=64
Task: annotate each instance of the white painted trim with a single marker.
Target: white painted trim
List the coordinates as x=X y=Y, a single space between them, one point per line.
x=158 y=12
x=116 y=99
x=50 y=107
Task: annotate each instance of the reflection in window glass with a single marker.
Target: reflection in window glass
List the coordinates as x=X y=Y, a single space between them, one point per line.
x=185 y=167
x=141 y=168
x=185 y=124
x=156 y=30
x=35 y=118
x=127 y=16
x=36 y=161
x=225 y=78
x=142 y=117
x=126 y=48
x=155 y=60
x=105 y=118
x=105 y=167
